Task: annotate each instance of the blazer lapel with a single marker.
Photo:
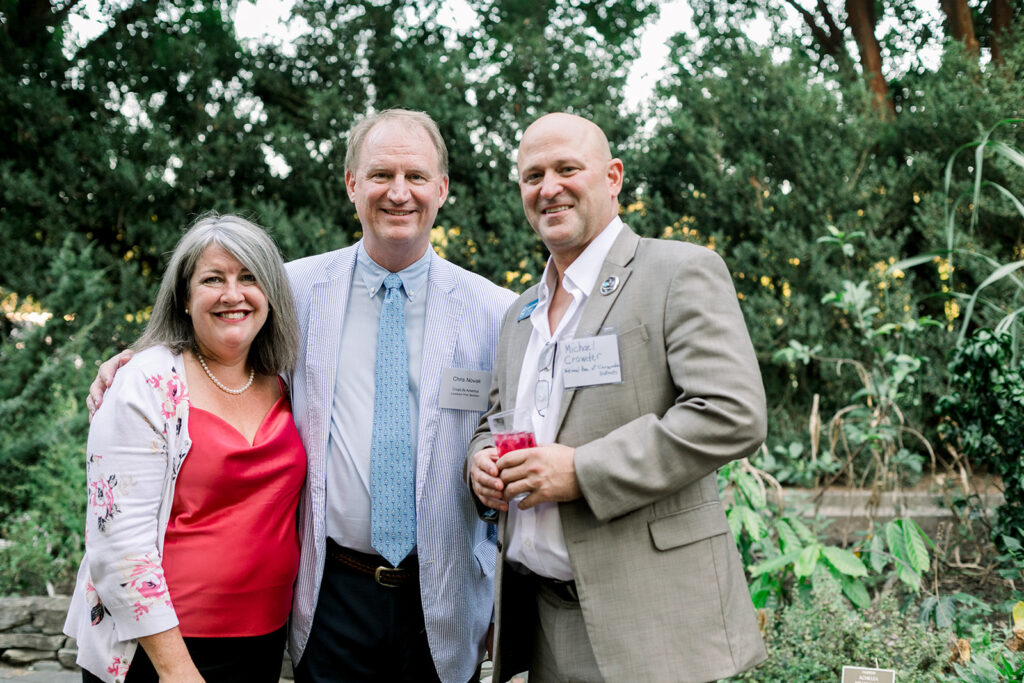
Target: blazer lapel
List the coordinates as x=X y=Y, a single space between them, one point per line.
x=440 y=335
x=518 y=334
x=326 y=312
x=598 y=305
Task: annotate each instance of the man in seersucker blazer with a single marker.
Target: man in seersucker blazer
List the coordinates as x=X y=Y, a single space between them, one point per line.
x=344 y=626
x=618 y=565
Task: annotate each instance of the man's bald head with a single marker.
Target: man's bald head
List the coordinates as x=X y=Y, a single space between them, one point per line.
x=570 y=127
x=569 y=183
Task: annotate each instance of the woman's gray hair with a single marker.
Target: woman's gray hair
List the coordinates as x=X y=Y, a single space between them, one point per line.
x=407 y=117
x=276 y=345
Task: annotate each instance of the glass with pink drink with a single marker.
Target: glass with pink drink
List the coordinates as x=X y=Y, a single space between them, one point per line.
x=512 y=430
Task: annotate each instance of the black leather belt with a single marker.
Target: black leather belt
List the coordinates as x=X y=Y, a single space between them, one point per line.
x=563 y=590
x=376 y=566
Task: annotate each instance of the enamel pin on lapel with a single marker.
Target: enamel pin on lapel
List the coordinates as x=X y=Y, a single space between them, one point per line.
x=527 y=310
x=609 y=285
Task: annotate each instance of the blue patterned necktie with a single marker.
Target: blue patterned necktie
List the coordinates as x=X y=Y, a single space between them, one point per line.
x=392 y=470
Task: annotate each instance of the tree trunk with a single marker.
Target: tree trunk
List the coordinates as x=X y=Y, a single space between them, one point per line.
x=860 y=15
x=961 y=24
x=830 y=37
x=1002 y=15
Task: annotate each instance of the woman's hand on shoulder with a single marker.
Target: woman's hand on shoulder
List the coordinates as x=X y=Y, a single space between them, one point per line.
x=104 y=378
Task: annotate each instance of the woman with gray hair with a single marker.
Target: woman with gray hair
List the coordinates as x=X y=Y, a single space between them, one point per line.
x=194 y=470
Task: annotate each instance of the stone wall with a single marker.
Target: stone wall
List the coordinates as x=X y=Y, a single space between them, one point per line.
x=30 y=633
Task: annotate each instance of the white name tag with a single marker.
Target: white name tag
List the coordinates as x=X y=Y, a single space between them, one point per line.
x=464 y=389
x=857 y=674
x=591 y=361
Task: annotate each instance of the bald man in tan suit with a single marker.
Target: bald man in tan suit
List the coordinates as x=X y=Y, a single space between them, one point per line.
x=633 y=362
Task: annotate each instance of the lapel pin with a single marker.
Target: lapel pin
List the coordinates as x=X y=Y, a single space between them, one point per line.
x=527 y=310
x=610 y=284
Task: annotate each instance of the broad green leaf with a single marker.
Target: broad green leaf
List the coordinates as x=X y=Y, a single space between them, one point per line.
x=761 y=588
x=894 y=539
x=788 y=540
x=881 y=329
x=844 y=561
x=876 y=553
x=917 y=550
x=927 y=608
x=774 y=564
x=802 y=530
x=735 y=522
x=751 y=489
x=945 y=612
x=908 y=576
x=920 y=531
x=807 y=560
x=855 y=591
x=752 y=522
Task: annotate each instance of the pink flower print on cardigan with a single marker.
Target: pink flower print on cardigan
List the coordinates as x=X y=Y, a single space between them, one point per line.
x=119 y=667
x=101 y=494
x=173 y=393
x=145 y=576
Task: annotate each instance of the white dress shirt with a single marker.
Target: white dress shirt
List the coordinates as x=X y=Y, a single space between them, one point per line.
x=534 y=537
x=348 y=454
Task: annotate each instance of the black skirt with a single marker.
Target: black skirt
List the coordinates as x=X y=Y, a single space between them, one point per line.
x=251 y=659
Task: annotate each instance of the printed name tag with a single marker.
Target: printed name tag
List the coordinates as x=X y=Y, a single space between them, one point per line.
x=464 y=389
x=591 y=361
x=856 y=674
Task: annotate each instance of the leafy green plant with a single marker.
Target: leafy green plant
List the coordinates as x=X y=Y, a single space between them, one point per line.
x=988 y=656
x=983 y=418
x=867 y=435
x=783 y=553
x=812 y=639
x=798 y=465
x=1011 y=559
x=1007 y=306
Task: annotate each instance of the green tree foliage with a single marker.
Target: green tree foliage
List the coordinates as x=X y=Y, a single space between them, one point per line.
x=762 y=149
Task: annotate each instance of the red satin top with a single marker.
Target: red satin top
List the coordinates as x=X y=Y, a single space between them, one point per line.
x=231 y=552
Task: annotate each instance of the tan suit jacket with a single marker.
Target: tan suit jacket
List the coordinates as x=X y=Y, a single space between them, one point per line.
x=660 y=581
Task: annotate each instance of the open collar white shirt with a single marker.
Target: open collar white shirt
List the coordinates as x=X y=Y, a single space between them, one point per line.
x=534 y=537
x=348 y=459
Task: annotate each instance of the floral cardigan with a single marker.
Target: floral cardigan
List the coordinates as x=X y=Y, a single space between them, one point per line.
x=137 y=442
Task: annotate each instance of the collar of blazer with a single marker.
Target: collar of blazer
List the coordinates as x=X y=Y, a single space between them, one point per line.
x=595 y=310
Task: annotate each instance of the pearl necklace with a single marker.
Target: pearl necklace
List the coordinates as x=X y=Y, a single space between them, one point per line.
x=220 y=385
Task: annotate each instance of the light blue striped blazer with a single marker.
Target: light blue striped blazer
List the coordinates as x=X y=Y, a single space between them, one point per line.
x=464 y=313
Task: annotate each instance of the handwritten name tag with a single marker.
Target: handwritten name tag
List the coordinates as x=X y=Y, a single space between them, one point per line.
x=591 y=361
x=464 y=389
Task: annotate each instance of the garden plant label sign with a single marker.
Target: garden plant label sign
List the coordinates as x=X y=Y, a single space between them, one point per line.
x=857 y=674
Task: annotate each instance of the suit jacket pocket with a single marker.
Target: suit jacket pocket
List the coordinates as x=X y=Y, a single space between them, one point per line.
x=485 y=553
x=688 y=526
